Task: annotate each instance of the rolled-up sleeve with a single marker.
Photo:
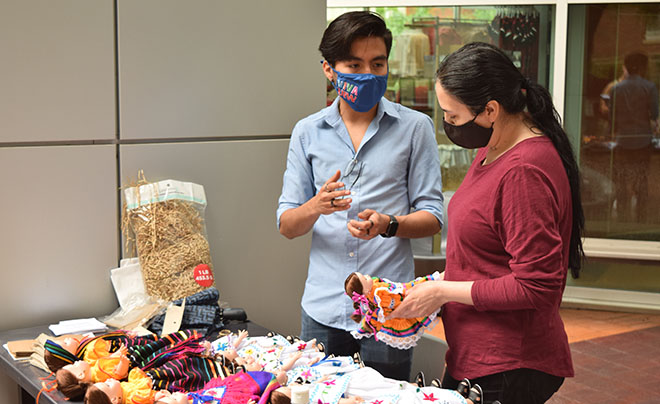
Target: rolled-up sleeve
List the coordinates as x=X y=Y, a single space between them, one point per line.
x=424 y=177
x=298 y=181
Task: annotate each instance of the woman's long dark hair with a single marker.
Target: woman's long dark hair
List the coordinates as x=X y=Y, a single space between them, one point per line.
x=478 y=73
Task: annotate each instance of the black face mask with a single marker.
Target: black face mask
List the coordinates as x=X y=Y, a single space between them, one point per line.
x=469 y=135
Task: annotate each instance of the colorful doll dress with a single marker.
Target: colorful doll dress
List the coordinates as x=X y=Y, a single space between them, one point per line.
x=187 y=373
x=385 y=296
x=373 y=387
x=116 y=365
x=326 y=367
x=138 y=388
x=89 y=350
x=238 y=388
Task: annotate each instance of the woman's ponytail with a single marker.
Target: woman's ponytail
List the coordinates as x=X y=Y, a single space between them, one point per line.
x=545 y=117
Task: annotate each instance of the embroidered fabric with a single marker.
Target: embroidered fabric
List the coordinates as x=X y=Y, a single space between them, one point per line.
x=398 y=341
x=397 y=333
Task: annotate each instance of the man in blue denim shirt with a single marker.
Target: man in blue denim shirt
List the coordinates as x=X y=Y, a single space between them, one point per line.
x=364 y=175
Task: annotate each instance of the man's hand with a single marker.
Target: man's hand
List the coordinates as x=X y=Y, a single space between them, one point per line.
x=371 y=224
x=328 y=199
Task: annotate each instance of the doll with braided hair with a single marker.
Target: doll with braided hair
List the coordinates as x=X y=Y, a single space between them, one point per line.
x=374 y=299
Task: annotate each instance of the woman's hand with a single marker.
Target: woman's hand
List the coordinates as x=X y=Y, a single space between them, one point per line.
x=421 y=300
x=428 y=297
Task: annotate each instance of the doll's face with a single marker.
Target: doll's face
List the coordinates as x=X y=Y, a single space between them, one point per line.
x=80 y=369
x=70 y=344
x=366 y=281
x=112 y=389
x=164 y=396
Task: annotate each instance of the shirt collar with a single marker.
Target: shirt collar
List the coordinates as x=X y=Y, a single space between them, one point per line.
x=385 y=106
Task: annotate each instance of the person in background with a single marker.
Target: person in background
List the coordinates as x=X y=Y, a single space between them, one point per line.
x=515 y=228
x=363 y=175
x=633 y=108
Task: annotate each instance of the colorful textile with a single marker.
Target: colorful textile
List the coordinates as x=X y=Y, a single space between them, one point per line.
x=329 y=391
x=241 y=387
x=201 y=313
x=116 y=339
x=114 y=366
x=401 y=333
x=167 y=347
x=184 y=374
x=57 y=351
x=138 y=389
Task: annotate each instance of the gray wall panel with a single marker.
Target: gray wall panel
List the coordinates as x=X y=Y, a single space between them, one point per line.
x=255 y=267
x=59 y=217
x=205 y=68
x=57 y=72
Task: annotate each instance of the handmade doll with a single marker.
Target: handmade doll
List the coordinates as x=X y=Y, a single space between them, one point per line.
x=332 y=386
x=239 y=388
x=175 y=346
x=369 y=386
x=271 y=352
x=58 y=353
x=180 y=374
x=328 y=366
x=307 y=353
x=74 y=379
x=372 y=386
x=374 y=299
x=136 y=390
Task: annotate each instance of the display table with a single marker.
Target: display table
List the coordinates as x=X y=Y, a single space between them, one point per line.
x=28 y=377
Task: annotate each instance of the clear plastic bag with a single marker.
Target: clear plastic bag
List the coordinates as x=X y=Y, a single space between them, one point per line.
x=165 y=220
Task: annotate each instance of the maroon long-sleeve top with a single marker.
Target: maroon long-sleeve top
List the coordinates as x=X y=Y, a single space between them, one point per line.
x=509 y=232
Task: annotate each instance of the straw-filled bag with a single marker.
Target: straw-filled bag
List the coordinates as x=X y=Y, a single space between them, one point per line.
x=165 y=221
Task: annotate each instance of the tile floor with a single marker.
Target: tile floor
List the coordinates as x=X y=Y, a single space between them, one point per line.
x=616 y=357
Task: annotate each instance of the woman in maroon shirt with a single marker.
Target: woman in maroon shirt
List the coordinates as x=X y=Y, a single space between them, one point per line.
x=515 y=227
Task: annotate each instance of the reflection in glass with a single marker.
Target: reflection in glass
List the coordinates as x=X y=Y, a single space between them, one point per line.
x=612 y=108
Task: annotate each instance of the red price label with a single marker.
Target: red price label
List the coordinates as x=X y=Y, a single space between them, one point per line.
x=203 y=275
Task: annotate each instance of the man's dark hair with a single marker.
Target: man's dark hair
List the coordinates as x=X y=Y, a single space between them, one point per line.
x=636 y=63
x=339 y=36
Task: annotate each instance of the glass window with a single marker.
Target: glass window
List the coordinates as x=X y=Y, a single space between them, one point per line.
x=613 y=72
x=423 y=36
x=612 y=77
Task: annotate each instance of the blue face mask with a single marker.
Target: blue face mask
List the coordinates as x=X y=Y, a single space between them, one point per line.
x=361 y=91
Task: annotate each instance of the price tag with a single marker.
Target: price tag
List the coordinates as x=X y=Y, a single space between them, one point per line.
x=173 y=318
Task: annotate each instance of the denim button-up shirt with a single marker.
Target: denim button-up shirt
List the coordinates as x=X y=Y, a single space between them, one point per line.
x=395 y=171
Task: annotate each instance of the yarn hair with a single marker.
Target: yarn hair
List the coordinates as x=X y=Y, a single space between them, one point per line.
x=277 y=397
x=94 y=395
x=352 y=284
x=69 y=385
x=54 y=363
